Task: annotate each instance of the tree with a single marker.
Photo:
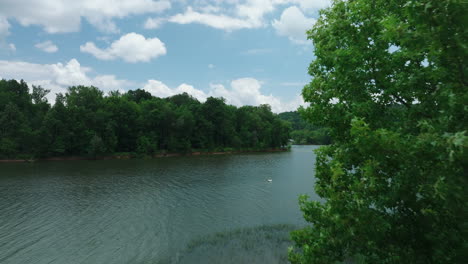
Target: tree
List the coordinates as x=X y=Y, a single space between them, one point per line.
x=122 y=117
x=138 y=95
x=84 y=121
x=96 y=146
x=55 y=131
x=10 y=124
x=389 y=81
x=39 y=94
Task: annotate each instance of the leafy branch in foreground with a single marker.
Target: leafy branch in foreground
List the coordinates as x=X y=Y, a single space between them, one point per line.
x=389 y=81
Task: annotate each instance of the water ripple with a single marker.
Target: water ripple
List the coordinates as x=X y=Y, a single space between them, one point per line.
x=142 y=211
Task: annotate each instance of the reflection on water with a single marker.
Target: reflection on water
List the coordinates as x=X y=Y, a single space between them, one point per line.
x=139 y=211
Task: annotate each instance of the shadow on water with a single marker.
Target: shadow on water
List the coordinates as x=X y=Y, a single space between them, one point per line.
x=266 y=244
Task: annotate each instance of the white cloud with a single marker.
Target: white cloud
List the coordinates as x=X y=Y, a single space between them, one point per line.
x=47 y=46
x=293 y=24
x=257 y=51
x=210 y=9
x=131 y=47
x=244 y=91
x=247 y=91
x=312 y=4
x=57 y=77
x=153 y=23
x=58 y=16
x=228 y=15
x=12 y=47
x=218 y=21
x=186 y=88
x=159 y=89
x=211 y=66
x=4 y=27
x=232 y=15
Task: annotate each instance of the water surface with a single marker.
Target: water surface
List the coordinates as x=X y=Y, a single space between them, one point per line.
x=143 y=211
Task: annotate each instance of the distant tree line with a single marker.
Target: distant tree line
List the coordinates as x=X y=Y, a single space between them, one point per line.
x=84 y=121
x=303 y=132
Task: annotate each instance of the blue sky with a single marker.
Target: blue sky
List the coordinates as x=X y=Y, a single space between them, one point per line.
x=250 y=52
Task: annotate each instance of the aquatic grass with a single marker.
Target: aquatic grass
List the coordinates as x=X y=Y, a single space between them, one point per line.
x=262 y=244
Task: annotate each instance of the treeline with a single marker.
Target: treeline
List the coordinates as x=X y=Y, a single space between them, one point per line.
x=84 y=121
x=303 y=132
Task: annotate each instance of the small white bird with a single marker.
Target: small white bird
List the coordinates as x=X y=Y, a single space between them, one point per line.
x=269 y=180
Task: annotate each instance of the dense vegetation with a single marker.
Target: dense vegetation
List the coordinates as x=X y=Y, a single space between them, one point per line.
x=390 y=82
x=304 y=132
x=85 y=122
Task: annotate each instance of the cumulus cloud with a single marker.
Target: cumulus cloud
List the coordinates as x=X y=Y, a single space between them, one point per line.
x=159 y=89
x=293 y=24
x=228 y=15
x=243 y=91
x=57 y=77
x=58 y=16
x=4 y=32
x=247 y=91
x=312 y=4
x=153 y=23
x=131 y=47
x=4 y=27
x=47 y=46
x=237 y=14
x=218 y=21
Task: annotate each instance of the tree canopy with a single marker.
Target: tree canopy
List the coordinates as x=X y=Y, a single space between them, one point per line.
x=304 y=132
x=86 y=122
x=389 y=81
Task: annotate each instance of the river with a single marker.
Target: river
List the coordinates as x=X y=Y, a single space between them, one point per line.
x=144 y=211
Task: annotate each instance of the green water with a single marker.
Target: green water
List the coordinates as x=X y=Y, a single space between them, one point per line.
x=144 y=211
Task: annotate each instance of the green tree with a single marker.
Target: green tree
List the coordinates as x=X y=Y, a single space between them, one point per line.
x=96 y=146
x=12 y=130
x=138 y=95
x=145 y=145
x=389 y=81
x=54 y=132
x=122 y=116
x=84 y=121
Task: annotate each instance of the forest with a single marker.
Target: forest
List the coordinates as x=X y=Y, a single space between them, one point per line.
x=86 y=122
x=303 y=132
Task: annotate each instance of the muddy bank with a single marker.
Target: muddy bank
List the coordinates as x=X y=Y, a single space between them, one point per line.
x=160 y=155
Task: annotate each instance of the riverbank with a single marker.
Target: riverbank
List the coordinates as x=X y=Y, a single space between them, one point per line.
x=136 y=156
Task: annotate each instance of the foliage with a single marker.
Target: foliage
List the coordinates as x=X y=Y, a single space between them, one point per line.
x=85 y=122
x=314 y=137
x=304 y=132
x=389 y=81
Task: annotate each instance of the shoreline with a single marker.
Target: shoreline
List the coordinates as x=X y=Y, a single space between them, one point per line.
x=160 y=155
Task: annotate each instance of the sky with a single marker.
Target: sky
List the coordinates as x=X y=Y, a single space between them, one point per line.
x=250 y=52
